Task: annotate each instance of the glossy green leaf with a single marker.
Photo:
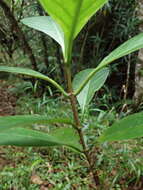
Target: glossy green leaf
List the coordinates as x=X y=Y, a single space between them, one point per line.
x=95 y=83
x=8 y=122
x=71 y=15
x=28 y=137
x=127 y=128
x=126 y=48
x=47 y=25
x=32 y=73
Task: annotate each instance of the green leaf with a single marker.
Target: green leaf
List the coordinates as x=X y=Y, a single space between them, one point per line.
x=127 y=128
x=24 y=71
x=126 y=48
x=71 y=15
x=9 y=122
x=95 y=83
x=32 y=73
x=28 y=137
x=47 y=25
x=68 y=135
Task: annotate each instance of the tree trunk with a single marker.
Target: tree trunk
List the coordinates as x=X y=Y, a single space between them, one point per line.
x=138 y=95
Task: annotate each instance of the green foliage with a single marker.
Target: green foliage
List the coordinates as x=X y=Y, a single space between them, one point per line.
x=68 y=19
x=8 y=126
x=96 y=82
x=127 y=128
x=48 y=26
x=71 y=17
x=22 y=87
x=28 y=137
x=76 y=17
x=45 y=106
x=9 y=122
x=126 y=48
x=31 y=73
x=58 y=167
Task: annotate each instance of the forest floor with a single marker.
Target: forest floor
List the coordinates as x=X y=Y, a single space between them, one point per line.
x=120 y=165
x=7 y=100
x=7 y=107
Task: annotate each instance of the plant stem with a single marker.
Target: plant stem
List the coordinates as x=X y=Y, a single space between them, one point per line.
x=73 y=102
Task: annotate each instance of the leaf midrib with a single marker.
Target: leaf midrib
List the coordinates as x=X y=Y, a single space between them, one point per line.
x=74 y=25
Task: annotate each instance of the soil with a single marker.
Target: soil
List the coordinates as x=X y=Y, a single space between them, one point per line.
x=7 y=107
x=7 y=100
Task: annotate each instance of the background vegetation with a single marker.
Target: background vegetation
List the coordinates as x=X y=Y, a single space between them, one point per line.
x=120 y=164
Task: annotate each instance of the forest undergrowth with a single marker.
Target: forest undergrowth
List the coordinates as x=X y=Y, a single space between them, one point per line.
x=119 y=164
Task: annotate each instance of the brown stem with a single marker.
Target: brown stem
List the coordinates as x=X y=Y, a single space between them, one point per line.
x=79 y=126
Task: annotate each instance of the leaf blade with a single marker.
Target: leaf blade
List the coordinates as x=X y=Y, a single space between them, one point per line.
x=47 y=25
x=69 y=135
x=32 y=73
x=28 y=137
x=67 y=15
x=95 y=83
x=127 y=128
x=9 y=122
x=126 y=48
